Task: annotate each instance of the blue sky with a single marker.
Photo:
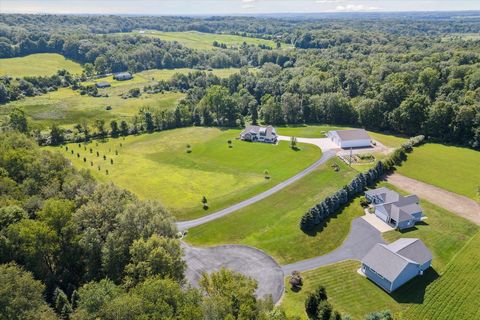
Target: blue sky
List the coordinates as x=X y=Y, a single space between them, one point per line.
x=189 y=7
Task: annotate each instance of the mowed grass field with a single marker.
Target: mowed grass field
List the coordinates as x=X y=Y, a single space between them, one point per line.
x=272 y=224
x=39 y=64
x=157 y=166
x=451 y=168
x=67 y=107
x=204 y=41
x=456 y=294
x=444 y=233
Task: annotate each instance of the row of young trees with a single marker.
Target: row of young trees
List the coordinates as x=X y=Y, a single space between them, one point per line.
x=71 y=248
x=332 y=204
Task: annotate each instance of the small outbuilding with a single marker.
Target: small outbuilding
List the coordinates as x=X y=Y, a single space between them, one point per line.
x=122 y=76
x=390 y=266
x=102 y=85
x=354 y=138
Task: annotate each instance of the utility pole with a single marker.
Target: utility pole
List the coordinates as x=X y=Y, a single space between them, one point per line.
x=351 y=155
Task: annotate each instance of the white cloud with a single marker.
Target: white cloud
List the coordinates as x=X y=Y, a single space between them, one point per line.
x=329 y=1
x=356 y=7
x=248 y=1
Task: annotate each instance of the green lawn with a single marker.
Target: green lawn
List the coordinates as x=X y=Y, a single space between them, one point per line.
x=457 y=293
x=451 y=168
x=157 y=166
x=272 y=224
x=67 y=107
x=444 y=233
x=308 y=131
x=319 y=131
x=204 y=41
x=39 y=64
x=388 y=140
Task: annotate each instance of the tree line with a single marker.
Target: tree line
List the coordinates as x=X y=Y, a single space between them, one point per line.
x=71 y=248
x=332 y=204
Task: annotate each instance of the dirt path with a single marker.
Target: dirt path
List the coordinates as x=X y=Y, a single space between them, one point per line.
x=461 y=205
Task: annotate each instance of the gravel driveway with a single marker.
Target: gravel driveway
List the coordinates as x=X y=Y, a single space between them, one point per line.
x=461 y=205
x=246 y=260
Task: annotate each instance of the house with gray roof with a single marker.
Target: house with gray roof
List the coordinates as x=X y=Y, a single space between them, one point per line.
x=255 y=133
x=102 y=84
x=390 y=266
x=122 y=76
x=398 y=211
x=353 y=138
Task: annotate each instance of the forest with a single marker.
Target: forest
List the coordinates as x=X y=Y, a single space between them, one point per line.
x=379 y=79
x=75 y=248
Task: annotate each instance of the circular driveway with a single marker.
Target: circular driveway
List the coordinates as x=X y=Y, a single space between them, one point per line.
x=249 y=261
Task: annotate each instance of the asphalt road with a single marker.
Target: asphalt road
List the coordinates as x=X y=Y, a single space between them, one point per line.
x=360 y=240
x=196 y=222
x=249 y=261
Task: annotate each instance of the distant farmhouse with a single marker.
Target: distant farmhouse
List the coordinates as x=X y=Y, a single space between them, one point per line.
x=122 y=76
x=355 y=138
x=103 y=84
x=396 y=210
x=392 y=265
x=258 y=133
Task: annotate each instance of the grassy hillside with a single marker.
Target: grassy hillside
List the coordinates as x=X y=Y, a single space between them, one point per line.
x=157 y=166
x=40 y=64
x=444 y=233
x=67 y=107
x=204 y=41
x=451 y=168
x=273 y=223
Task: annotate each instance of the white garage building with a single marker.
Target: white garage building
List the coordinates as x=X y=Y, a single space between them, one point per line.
x=355 y=138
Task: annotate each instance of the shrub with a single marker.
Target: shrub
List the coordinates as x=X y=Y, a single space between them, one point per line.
x=296 y=280
x=331 y=204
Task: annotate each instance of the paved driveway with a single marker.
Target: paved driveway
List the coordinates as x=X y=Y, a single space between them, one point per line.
x=196 y=222
x=246 y=260
x=325 y=144
x=360 y=240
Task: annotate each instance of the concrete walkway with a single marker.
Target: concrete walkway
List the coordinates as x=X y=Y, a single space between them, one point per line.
x=360 y=240
x=249 y=261
x=196 y=222
x=460 y=205
x=377 y=223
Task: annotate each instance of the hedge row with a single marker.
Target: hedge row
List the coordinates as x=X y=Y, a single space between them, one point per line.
x=333 y=203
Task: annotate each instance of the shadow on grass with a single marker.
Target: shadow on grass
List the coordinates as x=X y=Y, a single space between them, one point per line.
x=414 y=290
x=319 y=227
x=295 y=289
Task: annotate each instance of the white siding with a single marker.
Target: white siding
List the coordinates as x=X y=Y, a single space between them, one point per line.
x=355 y=143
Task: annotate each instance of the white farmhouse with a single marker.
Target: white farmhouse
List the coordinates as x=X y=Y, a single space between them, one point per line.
x=355 y=138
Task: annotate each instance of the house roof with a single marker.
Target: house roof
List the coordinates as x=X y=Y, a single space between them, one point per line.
x=400 y=208
x=390 y=260
x=102 y=84
x=386 y=263
x=413 y=249
x=123 y=74
x=385 y=194
x=353 y=134
x=267 y=132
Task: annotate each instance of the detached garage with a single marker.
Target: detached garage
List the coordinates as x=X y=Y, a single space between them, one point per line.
x=355 y=138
